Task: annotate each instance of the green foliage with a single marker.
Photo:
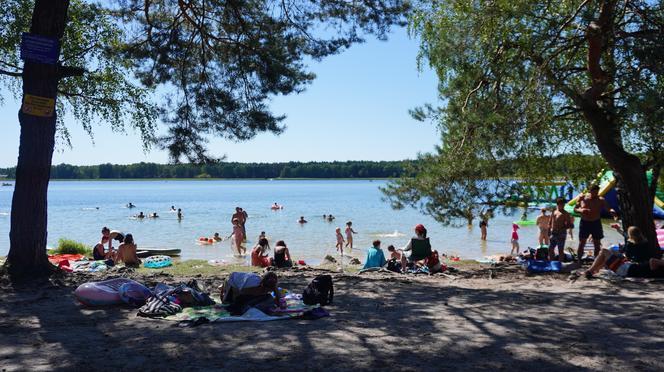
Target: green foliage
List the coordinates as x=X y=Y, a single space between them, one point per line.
x=106 y=92
x=211 y=66
x=517 y=92
x=68 y=246
x=350 y=169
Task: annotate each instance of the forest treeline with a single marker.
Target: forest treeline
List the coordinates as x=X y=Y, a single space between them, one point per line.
x=559 y=166
x=347 y=169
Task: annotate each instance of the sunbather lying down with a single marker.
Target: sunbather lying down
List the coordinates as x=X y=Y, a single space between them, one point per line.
x=244 y=290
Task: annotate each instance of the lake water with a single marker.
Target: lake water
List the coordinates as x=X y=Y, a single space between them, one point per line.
x=208 y=205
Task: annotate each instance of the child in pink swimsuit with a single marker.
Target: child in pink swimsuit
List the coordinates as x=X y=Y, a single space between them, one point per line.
x=238 y=237
x=340 y=241
x=515 y=240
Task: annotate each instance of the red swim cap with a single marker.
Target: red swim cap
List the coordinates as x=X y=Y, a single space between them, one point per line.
x=419 y=228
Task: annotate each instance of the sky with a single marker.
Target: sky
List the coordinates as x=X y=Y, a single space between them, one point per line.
x=356 y=109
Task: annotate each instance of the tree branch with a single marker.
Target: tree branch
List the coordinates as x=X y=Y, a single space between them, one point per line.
x=10 y=73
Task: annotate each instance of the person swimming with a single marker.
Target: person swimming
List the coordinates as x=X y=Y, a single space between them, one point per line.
x=131 y=205
x=172 y=208
x=216 y=237
x=154 y=215
x=180 y=214
x=302 y=220
x=140 y=215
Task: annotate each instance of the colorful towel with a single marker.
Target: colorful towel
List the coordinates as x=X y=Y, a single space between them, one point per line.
x=218 y=313
x=56 y=258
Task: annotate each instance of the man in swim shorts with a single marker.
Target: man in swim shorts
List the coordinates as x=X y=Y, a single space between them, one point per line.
x=559 y=222
x=590 y=207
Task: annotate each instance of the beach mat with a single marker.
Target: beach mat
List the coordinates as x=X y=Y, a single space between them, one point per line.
x=218 y=313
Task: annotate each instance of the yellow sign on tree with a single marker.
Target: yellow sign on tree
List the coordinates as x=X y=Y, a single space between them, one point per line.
x=38 y=106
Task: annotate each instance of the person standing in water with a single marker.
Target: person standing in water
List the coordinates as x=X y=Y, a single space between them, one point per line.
x=349 y=235
x=340 y=241
x=542 y=221
x=242 y=216
x=237 y=238
x=180 y=214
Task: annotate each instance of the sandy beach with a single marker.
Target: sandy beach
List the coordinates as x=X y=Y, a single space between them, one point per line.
x=479 y=319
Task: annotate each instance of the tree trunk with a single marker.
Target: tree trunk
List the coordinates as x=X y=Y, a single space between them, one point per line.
x=27 y=251
x=632 y=184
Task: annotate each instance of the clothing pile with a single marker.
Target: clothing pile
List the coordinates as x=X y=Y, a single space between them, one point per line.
x=168 y=300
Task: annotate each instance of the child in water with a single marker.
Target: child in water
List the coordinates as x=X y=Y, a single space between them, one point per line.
x=349 y=235
x=515 y=240
x=238 y=237
x=340 y=241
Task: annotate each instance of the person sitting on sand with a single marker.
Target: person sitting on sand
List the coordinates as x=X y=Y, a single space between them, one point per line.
x=302 y=220
x=396 y=257
x=542 y=222
x=244 y=290
x=375 y=256
x=282 y=257
x=419 y=246
x=98 y=252
x=127 y=252
x=631 y=260
x=259 y=256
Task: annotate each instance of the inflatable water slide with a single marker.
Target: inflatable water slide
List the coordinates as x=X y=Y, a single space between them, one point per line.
x=607 y=189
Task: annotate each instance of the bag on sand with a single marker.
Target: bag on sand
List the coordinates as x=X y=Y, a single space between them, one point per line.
x=319 y=291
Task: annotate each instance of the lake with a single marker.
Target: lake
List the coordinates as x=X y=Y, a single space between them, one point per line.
x=79 y=209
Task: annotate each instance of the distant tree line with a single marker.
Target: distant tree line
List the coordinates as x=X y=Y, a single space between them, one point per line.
x=347 y=169
x=564 y=165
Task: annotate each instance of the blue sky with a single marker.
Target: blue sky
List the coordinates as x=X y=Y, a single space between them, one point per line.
x=356 y=109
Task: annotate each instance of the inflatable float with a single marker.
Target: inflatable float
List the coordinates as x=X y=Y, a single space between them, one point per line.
x=525 y=222
x=157 y=262
x=102 y=293
x=607 y=184
x=147 y=252
x=134 y=294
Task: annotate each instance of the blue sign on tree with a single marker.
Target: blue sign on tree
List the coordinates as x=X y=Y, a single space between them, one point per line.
x=40 y=49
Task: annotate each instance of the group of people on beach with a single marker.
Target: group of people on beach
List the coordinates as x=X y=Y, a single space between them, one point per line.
x=635 y=258
x=125 y=252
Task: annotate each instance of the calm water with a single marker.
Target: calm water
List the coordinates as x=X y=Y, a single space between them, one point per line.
x=208 y=205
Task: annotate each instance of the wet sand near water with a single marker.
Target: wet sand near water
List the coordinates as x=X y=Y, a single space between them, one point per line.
x=478 y=320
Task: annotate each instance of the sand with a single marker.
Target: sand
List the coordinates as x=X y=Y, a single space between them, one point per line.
x=481 y=320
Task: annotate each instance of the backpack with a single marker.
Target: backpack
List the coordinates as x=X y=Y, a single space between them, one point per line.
x=319 y=291
x=394 y=265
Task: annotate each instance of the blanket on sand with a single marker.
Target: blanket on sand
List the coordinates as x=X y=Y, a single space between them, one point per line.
x=218 y=313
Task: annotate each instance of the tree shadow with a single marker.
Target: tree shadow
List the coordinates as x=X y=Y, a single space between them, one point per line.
x=375 y=323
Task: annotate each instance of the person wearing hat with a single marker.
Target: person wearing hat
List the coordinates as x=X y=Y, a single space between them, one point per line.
x=590 y=207
x=419 y=246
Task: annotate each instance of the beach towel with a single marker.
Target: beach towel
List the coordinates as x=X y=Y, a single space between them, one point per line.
x=541 y=266
x=57 y=258
x=219 y=313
